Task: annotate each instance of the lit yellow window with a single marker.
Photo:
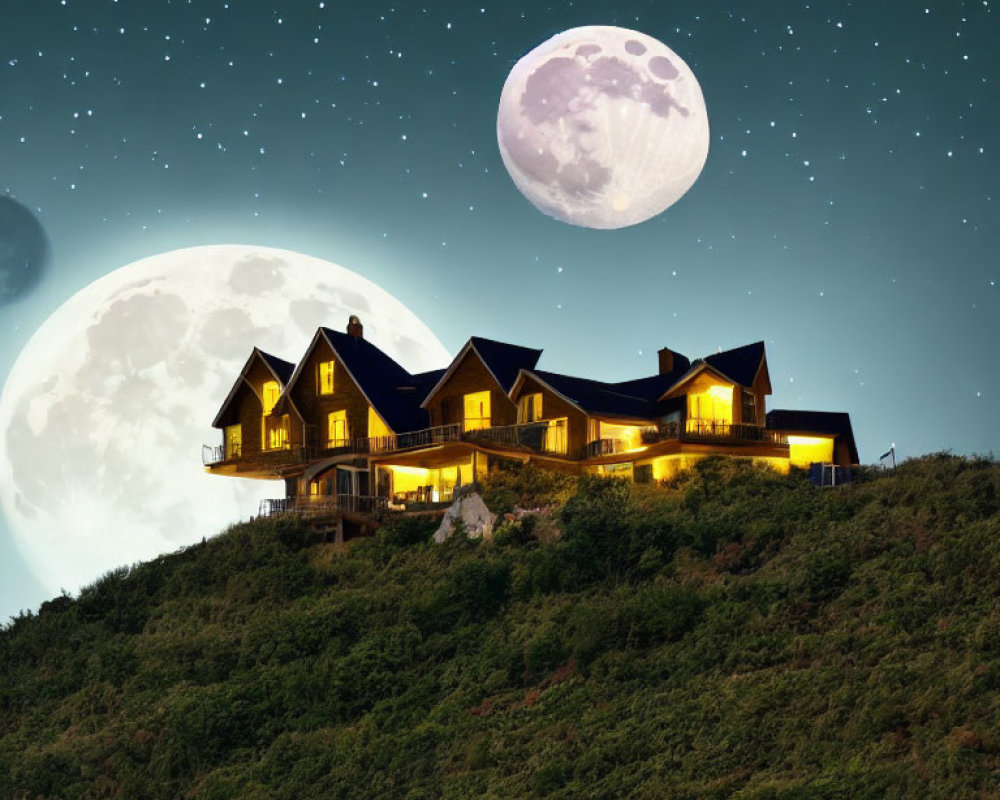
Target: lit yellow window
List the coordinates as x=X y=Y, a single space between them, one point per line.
x=233 y=437
x=276 y=433
x=710 y=408
x=529 y=407
x=806 y=450
x=271 y=393
x=326 y=377
x=336 y=426
x=555 y=435
x=477 y=411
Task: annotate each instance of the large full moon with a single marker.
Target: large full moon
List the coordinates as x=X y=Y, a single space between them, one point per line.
x=106 y=409
x=602 y=127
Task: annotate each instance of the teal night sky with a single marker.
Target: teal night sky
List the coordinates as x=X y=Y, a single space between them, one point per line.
x=847 y=214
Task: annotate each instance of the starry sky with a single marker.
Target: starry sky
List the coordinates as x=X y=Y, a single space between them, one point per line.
x=847 y=214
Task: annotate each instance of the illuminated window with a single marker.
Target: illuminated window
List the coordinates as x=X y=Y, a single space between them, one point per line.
x=271 y=392
x=325 y=382
x=477 y=411
x=710 y=410
x=624 y=438
x=529 y=407
x=233 y=438
x=806 y=450
x=336 y=426
x=276 y=433
x=555 y=435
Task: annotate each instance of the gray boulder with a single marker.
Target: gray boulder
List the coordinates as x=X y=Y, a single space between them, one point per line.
x=476 y=518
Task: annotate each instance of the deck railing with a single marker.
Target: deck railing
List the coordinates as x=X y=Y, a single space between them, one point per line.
x=321 y=505
x=541 y=436
x=212 y=455
x=701 y=429
x=605 y=447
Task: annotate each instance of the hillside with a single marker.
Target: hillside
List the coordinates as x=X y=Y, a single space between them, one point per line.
x=740 y=635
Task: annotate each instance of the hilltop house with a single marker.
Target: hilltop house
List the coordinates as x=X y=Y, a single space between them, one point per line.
x=348 y=428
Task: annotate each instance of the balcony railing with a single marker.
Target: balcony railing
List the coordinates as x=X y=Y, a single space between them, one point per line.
x=213 y=455
x=322 y=505
x=606 y=447
x=701 y=429
x=403 y=441
x=542 y=436
x=697 y=430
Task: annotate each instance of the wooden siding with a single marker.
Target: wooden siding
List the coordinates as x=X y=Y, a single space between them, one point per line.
x=315 y=407
x=761 y=389
x=471 y=375
x=555 y=407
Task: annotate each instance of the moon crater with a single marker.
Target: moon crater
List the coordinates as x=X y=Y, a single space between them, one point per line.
x=602 y=127
x=105 y=411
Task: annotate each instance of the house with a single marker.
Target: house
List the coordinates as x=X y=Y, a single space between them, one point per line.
x=350 y=430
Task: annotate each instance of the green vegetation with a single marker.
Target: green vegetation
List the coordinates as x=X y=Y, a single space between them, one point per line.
x=740 y=635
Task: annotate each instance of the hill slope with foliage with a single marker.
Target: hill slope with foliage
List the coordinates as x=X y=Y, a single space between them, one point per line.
x=741 y=635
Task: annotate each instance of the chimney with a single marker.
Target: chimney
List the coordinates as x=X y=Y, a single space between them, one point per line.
x=666 y=360
x=355 y=328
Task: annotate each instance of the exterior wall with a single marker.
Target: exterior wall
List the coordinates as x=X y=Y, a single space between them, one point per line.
x=702 y=383
x=760 y=392
x=554 y=407
x=315 y=407
x=249 y=412
x=841 y=454
x=447 y=407
x=249 y=408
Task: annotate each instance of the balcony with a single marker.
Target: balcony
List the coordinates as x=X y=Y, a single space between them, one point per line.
x=324 y=505
x=374 y=445
x=542 y=436
x=704 y=430
x=263 y=460
x=607 y=447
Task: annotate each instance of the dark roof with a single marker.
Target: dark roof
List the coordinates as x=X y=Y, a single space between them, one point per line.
x=504 y=360
x=425 y=381
x=283 y=369
x=393 y=392
x=596 y=397
x=739 y=364
x=836 y=423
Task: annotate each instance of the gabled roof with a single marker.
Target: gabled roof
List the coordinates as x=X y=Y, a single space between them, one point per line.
x=389 y=388
x=281 y=370
x=596 y=397
x=835 y=423
x=504 y=362
x=739 y=364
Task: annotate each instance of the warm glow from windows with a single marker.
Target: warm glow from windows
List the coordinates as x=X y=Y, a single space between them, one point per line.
x=233 y=438
x=712 y=404
x=276 y=433
x=477 y=411
x=325 y=381
x=271 y=392
x=629 y=436
x=336 y=429
x=408 y=479
x=376 y=427
x=555 y=435
x=806 y=450
x=529 y=407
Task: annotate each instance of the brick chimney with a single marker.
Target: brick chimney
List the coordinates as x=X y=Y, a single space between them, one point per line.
x=666 y=360
x=355 y=328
